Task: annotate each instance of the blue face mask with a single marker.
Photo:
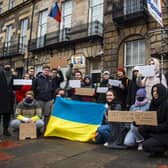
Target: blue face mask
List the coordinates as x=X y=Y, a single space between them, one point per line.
x=139 y=98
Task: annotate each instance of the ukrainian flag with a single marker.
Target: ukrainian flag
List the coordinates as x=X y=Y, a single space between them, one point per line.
x=75 y=120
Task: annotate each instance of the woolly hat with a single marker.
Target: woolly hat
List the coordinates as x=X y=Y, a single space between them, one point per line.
x=106 y=73
x=121 y=69
x=29 y=93
x=135 y=68
x=141 y=92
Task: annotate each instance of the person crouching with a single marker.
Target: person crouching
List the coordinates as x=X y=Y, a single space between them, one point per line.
x=28 y=111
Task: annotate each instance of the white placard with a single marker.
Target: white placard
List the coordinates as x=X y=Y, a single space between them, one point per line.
x=147 y=70
x=116 y=83
x=102 y=89
x=17 y=82
x=75 y=83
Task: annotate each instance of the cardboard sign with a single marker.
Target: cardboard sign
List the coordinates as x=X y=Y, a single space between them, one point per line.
x=75 y=83
x=84 y=91
x=18 y=82
x=102 y=89
x=147 y=70
x=27 y=130
x=116 y=83
x=141 y=118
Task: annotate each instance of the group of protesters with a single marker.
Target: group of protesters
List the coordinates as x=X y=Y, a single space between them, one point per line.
x=137 y=94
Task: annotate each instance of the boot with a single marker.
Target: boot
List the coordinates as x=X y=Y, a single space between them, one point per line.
x=114 y=145
x=6 y=132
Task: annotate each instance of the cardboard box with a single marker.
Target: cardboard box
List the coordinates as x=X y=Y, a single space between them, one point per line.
x=141 y=118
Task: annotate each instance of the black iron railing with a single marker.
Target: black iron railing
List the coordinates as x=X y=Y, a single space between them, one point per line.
x=125 y=10
x=13 y=47
x=67 y=35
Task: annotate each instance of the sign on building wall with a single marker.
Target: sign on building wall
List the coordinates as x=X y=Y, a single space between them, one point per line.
x=155 y=9
x=78 y=60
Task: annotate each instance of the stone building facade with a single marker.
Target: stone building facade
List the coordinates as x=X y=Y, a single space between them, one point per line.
x=131 y=35
x=15 y=25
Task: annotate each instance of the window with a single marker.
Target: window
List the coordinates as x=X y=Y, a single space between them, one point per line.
x=0 y=7
x=66 y=22
x=11 y=4
x=132 y=6
x=96 y=16
x=23 y=33
x=8 y=36
x=134 y=54
x=42 y=28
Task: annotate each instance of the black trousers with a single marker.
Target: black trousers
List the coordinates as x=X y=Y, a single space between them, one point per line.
x=153 y=145
x=6 y=120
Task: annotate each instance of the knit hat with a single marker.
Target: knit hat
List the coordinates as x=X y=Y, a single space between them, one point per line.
x=30 y=93
x=141 y=92
x=121 y=69
x=135 y=68
x=106 y=73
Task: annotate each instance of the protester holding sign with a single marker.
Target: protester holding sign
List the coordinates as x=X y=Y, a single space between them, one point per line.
x=101 y=97
x=133 y=137
x=156 y=137
x=122 y=89
x=103 y=132
x=28 y=111
x=117 y=129
x=20 y=94
x=148 y=82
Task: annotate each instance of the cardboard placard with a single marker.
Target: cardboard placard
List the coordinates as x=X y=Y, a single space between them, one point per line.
x=147 y=70
x=75 y=83
x=27 y=130
x=141 y=118
x=18 y=82
x=116 y=83
x=102 y=89
x=84 y=91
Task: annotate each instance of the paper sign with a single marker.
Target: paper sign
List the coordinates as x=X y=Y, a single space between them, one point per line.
x=147 y=70
x=84 y=91
x=75 y=83
x=17 y=82
x=102 y=89
x=141 y=118
x=116 y=83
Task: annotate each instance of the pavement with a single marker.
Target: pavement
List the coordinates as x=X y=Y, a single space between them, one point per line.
x=61 y=153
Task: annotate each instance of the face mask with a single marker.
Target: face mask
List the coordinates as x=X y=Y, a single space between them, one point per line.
x=29 y=100
x=140 y=98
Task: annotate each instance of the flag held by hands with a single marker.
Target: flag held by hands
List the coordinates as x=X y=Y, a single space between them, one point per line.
x=75 y=120
x=55 y=12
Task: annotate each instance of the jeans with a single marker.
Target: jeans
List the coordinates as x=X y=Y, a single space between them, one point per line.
x=103 y=133
x=133 y=137
x=16 y=123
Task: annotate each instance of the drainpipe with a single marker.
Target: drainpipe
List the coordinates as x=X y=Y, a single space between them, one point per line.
x=31 y=30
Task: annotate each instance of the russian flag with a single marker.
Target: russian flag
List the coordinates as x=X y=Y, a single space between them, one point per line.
x=75 y=120
x=55 y=12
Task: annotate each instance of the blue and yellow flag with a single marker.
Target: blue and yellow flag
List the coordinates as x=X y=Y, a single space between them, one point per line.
x=75 y=120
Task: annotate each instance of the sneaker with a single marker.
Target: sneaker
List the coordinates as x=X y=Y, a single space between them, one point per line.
x=140 y=147
x=106 y=144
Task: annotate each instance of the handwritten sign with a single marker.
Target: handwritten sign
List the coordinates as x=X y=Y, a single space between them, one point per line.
x=75 y=83
x=116 y=83
x=18 y=82
x=102 y=89
x=147 y=70
x=84 y=91
x=141 y=118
